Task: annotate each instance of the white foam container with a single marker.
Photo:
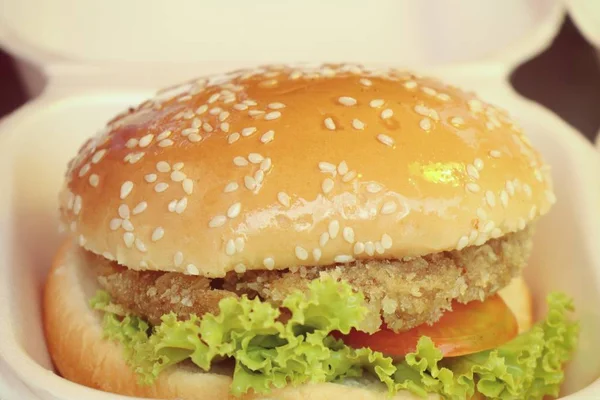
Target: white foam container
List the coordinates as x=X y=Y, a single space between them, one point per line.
x=72 y=54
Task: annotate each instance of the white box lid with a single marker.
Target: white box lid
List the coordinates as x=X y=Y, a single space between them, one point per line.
x=400 y=32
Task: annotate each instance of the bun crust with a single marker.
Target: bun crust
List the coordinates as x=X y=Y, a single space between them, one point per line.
x=80 y=354
x=282 y=167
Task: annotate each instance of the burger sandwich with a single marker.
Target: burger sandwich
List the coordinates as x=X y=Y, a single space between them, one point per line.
x=306 y=233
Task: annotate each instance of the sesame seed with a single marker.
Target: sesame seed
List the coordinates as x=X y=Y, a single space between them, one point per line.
x=386 y=241
x=317 y=254
x=385 y=139
x=550 y=196
x=284 y=199
x=188 y=186
x=490 y=197
x=323 y=239
x=488 y=227
x=177 y=176
x=276 y=106
x=329 y=124
x=347 y=101
x=240 y=107
x=496 y=233
x=389 y=207
x=379 y=248
x=521 y=223
x=333 y=229
x=255 y=158
x=98 y=156
x=410 y=84
x=472 y=187
x=387 y=113
x=178 y=258
x=425 y=124
x=172 y=205
x=473 y=235
x=84 y=170
x=239 y=244
x=272 y=115
x=327 y=185
x=366 y=82
x=510 y=188
x=255 y=113
x=127 y=225
x=161 y=187
x=265 y=165
x=240 y=161
x=248 y=131
x=177 y=166
x=94 y=180
x=358 y=124
x=158 y=234
x=217 y=221
x=359 y=248
x=429 y=91
x=301 y=253
x=181 y=205
x=532 y=212
x=527 y=190
x=348 y=234
x=194 y=138
x=231 y=187
x=478 y=162
x=123 y=211
x=234 y=137
x=202 y=109
x=214 y=98
x=206 y=127
x=126 y=189
x=326 y=167
x=82 y=240
x=472 y=171
x=457 y=121
x=115 y=224
x=249 y=182
x=234 y=210
x=343 y=258
x=108 y=255
x=192 y=269
x=504 y=198
x=230 y=247
x=370 y=248
x=163 y=135
x=269 y=263
x=224 y=126
x=267 y=137
x=163 y=166
x=165 y=143
x=259 y=176
x=376 y=103
x=349 y=176
x=146 y=140
x=373 y=187
x=128 y=238
x=249 y=102
x=443 y=97
x=71 y=200
x=462 y=243
x=475 y=105
x=223 y=116
x=131 y=143
x=342 y=168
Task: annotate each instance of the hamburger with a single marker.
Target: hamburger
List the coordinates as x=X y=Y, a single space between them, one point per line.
x=306 y=232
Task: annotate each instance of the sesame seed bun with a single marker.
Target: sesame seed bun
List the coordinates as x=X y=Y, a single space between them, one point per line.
x=80 y=354
x=282 y=166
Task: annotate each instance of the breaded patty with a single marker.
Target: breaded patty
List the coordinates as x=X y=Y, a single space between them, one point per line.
x=402 y=293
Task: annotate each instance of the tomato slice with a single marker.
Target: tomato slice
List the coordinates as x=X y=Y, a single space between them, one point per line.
x=468 y=328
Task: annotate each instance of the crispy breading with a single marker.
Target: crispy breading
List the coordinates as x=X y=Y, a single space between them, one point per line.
x=402 y=293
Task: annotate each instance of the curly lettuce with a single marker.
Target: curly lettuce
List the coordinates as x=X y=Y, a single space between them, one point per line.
x=272 y=352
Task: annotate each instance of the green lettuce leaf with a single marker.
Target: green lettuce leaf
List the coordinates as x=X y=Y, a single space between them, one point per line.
x=528 y=367
x=272 y=352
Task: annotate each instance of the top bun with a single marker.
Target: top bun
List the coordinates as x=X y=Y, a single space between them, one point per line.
x=282 y=166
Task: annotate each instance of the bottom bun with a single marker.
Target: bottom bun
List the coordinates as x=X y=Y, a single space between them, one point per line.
x=80 y=354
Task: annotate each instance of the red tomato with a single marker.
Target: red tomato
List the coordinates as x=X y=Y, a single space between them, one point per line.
x=468 y=328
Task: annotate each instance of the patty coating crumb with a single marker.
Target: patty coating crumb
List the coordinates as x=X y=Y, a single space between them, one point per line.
x=403 y=293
